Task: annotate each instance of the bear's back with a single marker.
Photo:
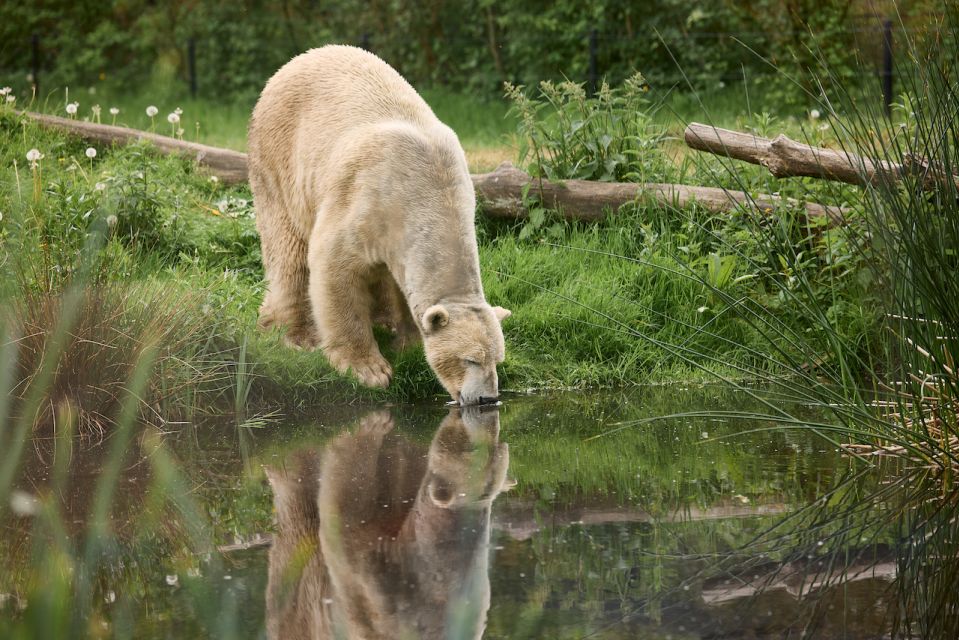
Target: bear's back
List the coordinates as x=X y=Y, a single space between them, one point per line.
x=317 y=110
x=350 y=84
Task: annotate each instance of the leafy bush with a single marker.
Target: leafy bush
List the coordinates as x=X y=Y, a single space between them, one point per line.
x=563 y=134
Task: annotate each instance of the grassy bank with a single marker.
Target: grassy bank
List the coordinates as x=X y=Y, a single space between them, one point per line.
x=627 y=301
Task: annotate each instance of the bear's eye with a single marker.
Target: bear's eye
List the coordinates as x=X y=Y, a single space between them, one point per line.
x=472 y=361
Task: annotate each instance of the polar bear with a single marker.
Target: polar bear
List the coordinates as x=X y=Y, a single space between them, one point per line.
x=377 y=538
x=365 y=210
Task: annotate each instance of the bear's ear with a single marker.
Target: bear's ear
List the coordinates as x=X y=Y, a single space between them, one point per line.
x=435 y=317
x=501 y=313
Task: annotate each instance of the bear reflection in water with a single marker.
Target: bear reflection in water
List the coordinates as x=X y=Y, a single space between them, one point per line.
x=380 y=537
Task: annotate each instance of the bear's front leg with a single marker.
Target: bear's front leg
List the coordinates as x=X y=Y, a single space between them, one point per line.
x=342 y=305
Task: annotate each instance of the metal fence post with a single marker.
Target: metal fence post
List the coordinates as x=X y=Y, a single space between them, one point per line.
x=191 y=65
x=887 y=96
x=35 y=63
x=592 y=77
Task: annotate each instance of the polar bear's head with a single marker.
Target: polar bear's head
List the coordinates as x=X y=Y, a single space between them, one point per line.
x=463 y=344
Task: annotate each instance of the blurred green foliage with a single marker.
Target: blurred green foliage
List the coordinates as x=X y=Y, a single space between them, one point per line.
x=473 y=44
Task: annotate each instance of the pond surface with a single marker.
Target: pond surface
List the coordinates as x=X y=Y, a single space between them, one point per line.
x=564 y=516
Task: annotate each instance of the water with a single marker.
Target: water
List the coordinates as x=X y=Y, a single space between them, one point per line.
x=566 y=516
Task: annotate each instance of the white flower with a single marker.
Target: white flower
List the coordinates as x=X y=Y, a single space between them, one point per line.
x=114 y=111
x=5 y=91
x=172 y=580
x=91 y=153
x=23 y=504
x=214 y=179
x=11 y=98
x=823 y=127
x=814 y=114
x=178 y=111
x=173 y=118
x=152 y=111
x=72 y=108
x=34 y=155
x=111 y=221
x=100 y=186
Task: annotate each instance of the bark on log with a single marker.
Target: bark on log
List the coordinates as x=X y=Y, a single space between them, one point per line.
x=784 y=158
x=501 y=196
x=228 y=165
x=500 y=192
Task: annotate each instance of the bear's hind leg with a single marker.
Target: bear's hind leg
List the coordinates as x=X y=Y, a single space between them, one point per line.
x=286 y=303
x=342 y=307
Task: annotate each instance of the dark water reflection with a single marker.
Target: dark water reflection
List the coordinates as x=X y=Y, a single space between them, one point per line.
x=421 y=522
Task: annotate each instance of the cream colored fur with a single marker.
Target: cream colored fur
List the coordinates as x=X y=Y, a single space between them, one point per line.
x=365 y=211
x=379 y=539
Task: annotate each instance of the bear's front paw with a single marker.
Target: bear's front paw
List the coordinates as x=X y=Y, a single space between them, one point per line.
x=371 y=371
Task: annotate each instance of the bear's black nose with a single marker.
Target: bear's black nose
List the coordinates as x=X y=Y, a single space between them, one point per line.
x=487 y=399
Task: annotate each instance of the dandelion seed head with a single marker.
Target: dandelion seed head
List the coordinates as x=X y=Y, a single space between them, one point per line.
x=90 y=153
x=178 y=111
x=34 y=155
x=4 y=91
x=11 y=98
x=173 y=118
x=100 y=186
x=72 y=108
x=114 y=111
x=23 y=504
x=814 y=114
x=214 y=179
x=152 y=111
x=95 y=109
x=111 y=221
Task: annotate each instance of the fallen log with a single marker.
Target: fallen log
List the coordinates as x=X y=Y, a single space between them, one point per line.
x=228 y=165
x=501 y=196
x=785 y=158
x=501 y=192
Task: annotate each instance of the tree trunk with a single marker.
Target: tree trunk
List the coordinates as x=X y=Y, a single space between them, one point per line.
x=784 y=158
